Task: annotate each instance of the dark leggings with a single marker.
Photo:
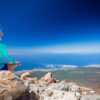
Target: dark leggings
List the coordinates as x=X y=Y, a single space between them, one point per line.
x=5 y=67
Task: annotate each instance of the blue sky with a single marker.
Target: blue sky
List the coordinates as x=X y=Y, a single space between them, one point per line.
x=51 y=25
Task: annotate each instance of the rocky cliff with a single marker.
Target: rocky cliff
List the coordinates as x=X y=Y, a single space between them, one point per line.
x=26 y=87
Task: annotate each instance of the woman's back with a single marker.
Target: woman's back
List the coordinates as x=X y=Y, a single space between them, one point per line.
x=1 y=50
x=1 y=55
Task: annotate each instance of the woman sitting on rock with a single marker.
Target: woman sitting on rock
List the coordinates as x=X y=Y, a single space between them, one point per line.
x=3 y=52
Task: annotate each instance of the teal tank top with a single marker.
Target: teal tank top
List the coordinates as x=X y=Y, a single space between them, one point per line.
x=3 y=52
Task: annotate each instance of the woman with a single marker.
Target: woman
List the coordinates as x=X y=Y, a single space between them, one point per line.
x=3 y=52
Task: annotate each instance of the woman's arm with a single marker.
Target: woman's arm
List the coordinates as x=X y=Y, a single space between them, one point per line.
x=5 y=53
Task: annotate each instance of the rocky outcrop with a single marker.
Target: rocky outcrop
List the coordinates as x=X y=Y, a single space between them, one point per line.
x=25 y=87
x=11 y=87
x=25 y=75
x=49 y=78
x=48 y=88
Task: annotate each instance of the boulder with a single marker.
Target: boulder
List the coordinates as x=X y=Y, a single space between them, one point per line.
x=25 y=75
x=47 y=88
x=49 y=78
x=11 y=87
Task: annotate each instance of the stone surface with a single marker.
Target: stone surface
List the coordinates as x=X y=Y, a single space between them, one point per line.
x=49 y=78
x=59 y=90
x=25 y=75
x=47 y=88
x=11 y=87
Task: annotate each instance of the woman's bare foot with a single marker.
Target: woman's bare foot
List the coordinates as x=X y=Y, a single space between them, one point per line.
x=11 y=71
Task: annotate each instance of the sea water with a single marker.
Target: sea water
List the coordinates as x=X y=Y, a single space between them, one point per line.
x=40 y=61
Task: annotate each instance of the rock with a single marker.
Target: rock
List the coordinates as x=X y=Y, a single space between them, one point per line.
x=6 y=96
x=49 y=78
x=25 y=75
x=73 y=88
x=86 y=91
x=92 y=92
x=60 y=86
x=28 y=96
x=58 y=95
x=47 y=88
x=90 y=97
x=7 y=75
x=57 y=81
x=11 y=87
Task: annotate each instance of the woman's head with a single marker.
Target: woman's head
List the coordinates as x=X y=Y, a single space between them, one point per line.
x=0 y=34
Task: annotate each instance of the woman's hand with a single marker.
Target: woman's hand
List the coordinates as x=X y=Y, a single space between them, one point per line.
x=18 y=64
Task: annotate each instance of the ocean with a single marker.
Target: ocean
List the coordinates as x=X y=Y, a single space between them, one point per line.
x=49 y=61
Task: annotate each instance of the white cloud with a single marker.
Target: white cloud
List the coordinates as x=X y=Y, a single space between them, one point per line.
x=93 y=66
x=68 y=66
x=50 y=66
x=61 y=66
x=79 y=48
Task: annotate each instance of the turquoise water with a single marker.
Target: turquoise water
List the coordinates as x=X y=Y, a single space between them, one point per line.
x=37 y=61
